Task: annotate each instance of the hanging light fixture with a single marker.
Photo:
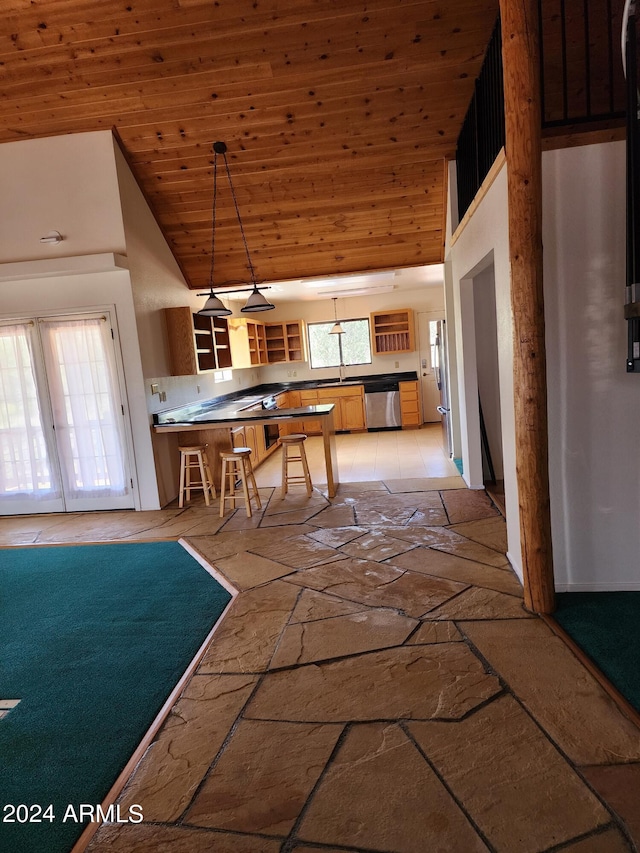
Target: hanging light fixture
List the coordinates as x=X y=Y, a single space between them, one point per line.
x=337 y=328
x=213 y=307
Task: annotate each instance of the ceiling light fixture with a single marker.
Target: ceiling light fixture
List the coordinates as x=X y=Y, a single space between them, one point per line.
x=347 y=280
x=213 y=307
x=359 y=291
x=337 y=328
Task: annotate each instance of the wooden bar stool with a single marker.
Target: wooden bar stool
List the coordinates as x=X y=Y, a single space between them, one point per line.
x=236 y=465
x=192 y=457
x=289 y=443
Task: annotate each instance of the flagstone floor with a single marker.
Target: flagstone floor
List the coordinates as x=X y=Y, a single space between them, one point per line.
x=376 y=686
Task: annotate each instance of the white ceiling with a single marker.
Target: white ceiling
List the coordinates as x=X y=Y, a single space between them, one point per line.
x=365 y=284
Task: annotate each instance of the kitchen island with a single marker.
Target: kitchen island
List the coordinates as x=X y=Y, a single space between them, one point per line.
x=202 y=417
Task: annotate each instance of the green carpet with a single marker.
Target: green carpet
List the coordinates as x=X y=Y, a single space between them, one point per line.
x=606 y=625
x=94 y=639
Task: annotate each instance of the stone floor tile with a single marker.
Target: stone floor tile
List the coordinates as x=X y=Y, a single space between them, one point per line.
x=425 y=484
x=468 y=505
x=227 y=544
x=289 y=518
x=375 y=546
x=247 y=570
x=168 y=775
x=563 y=697
x=100 y=527
x=471 y=550
x=191 y=521
x=516 y=786
x=302 y=848
x=298 y=552
x=374 y=516
x=491 y=532
x=239 y=520
x=430 y=561
x=264 y=777
x=379 y=585
x=296 y=500
x=609 y=841
x=414 y=501
x=360 y=487
x=479 y=603
x=335 y=516
x=435 y=632
x=380 y=794
x=340 y=636
x=312 y=605
x=335 y=537
x=441 y=681
x=446 y=539
x=619 y=785
x=142 y=838
x=247 y=636
x=428 y=517
x=420 y=535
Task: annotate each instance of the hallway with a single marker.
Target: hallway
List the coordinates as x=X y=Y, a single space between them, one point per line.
x=377 y=685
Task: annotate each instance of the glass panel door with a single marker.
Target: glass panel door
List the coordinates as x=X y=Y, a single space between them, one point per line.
x=88 y=414
x=29 y=477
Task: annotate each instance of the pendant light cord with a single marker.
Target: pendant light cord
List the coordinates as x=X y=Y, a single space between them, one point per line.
x=244 y=239
x=213 y=218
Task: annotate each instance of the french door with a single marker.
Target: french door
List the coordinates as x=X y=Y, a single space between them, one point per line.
x=63 y=437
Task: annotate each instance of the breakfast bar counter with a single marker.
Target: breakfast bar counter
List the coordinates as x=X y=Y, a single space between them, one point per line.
x=199 y=417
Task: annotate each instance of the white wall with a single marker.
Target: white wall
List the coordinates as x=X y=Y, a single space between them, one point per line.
x=60 y=183
x=594 y=405
x=68 y=184
x=484 y=243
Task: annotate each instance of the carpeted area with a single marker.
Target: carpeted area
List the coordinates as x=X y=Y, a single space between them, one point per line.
x=606 y=625
x=94 y=638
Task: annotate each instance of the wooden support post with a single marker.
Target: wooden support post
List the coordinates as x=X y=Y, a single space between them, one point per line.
x=521 y=63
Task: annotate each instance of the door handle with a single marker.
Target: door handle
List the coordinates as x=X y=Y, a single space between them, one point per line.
x=442 y=410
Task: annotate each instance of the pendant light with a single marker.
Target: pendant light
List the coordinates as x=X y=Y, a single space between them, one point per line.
x=213 y=307
x=337 y=328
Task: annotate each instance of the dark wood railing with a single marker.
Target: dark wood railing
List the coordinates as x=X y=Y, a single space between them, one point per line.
x=582 y=84
x=482 y=134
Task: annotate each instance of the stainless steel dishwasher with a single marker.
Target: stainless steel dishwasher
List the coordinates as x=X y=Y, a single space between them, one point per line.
x=382 y=405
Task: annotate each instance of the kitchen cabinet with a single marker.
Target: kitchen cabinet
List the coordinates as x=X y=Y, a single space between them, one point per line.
x=285 y=341
x=197 y=344
x=248 y=342
x=245 y=436
x=309 y=397
x=349 y=406
x=291 y=400
x=348 y=413
x=410 y=405
x=392 y=331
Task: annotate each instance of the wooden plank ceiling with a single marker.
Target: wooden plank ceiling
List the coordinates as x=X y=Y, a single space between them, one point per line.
x=338 y=115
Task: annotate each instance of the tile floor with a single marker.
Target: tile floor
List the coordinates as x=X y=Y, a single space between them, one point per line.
x=367 y=456
x=376 y=686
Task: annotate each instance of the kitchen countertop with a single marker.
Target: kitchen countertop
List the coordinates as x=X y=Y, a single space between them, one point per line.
x=229 y=407
x=228 y=415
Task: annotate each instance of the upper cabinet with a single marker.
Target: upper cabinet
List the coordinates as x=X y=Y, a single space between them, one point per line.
x=285 y=341
x=248 y=342
x=392 y=331
x=196 y=344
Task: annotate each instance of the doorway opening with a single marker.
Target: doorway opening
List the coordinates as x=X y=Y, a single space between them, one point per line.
x=486 y=337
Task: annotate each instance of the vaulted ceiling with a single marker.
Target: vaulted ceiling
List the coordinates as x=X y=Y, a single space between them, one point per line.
x=338 y=115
